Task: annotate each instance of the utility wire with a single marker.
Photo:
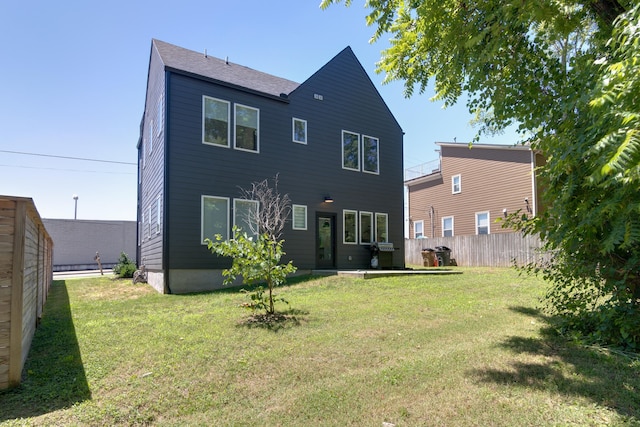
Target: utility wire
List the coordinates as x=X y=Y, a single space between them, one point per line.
x=67 y=170
x=66 y=157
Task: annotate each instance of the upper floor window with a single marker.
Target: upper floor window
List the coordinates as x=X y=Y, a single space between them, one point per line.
x=247 y=135
x=456 y=184
x=215 y=121
x=418 y=229
x=245 y=216
x=370 y=156
x=349 y=226
x=350 y=150
x=447 y=226
x=214 y=217
x=299 y=130
x=482 y=223
x=382 y=225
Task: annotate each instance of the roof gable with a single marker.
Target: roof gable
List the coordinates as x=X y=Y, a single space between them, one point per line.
x=189 y=61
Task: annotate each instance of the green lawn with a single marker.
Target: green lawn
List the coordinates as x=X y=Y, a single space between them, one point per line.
x=459 y=350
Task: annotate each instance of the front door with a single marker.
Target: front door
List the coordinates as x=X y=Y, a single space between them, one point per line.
x=326 y=241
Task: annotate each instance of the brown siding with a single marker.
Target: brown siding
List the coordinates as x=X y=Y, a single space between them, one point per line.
x=492 y=179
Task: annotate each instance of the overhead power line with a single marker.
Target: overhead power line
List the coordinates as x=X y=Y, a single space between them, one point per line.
x=67 y=157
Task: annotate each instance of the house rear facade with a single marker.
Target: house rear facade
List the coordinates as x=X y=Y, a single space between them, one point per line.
x=211 y=127
x=471 y=188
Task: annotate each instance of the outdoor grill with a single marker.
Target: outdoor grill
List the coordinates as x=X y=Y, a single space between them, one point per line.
x=383 y=251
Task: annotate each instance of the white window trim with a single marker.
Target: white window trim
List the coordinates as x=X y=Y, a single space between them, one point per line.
x=415 y=234
x=293 y=130
x=386 y=226
x=293 y=222
x=373 y=231
x=235 y=115
x=158 y=216
x=255 y=202
x=452 y=225
x=160 y=115
x=344 y=226
x=150 y=138
x=342 y=150
x=453 y=188
x=204 y=196
x=204 y=98
x=377 y=172
x=488 y=221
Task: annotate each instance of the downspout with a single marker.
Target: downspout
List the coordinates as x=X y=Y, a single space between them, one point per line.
x=432 y=214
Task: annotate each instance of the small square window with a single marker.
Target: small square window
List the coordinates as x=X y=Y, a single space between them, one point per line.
x=299 y=214
x=456 y=184
x=299 y=130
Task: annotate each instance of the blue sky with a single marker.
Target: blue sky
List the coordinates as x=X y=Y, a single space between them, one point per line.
x=73 y=80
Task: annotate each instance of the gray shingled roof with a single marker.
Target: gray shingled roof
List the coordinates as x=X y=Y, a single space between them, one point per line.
x=208 y=66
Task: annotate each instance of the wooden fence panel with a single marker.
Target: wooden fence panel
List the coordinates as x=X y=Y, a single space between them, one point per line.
x=489 y=250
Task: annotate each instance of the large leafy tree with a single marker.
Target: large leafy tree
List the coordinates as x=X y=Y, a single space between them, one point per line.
x=567 y=73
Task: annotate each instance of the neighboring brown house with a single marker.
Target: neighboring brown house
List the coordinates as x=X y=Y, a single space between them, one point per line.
x=471 y=189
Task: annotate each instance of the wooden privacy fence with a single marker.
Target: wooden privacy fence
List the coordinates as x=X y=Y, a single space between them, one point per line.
x=488 y=250
x=26 y=272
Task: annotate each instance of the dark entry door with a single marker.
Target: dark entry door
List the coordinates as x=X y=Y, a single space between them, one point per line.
x=325 y=241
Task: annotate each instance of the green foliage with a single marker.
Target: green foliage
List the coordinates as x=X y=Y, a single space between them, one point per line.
x=257 y=261
x=568 y=74
x=125 y=266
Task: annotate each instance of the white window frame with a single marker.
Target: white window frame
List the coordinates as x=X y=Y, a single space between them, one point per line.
x=159 y=115
x=455 y=190
x=418 y=225
x=236 y=219
x=371 y=227
x=293 y=130
x=202 y=199
x=235 y=126
x=204 y=109
x=377 y=171
x=293 y=217
x=356 y=169
x=444 y=230
x=478 y=222
x=150 y=138
x=386 y=226
x=158 y=216
x=344 y=227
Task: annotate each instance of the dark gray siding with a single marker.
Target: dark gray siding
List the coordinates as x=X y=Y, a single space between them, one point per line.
x=306 y=172
x=152 y=168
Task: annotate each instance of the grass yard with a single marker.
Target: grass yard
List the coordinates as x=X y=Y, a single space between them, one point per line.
x=459 y=350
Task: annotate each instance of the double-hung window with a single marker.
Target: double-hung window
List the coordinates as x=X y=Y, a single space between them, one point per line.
x=214 y=217
x=418 y=229
x=215 y=121
x=350 y=150
x=299 y=131
x=247 y=135
x=456 y=184
x=370 y=155
x=349 y=226
x=382 y=224
x=447 y=226
x=482 y=223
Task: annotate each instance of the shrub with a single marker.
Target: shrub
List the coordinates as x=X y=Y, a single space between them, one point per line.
x=125 y=266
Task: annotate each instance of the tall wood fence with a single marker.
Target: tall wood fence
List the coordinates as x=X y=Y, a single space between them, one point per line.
x=26 y=261
x=489 y=250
